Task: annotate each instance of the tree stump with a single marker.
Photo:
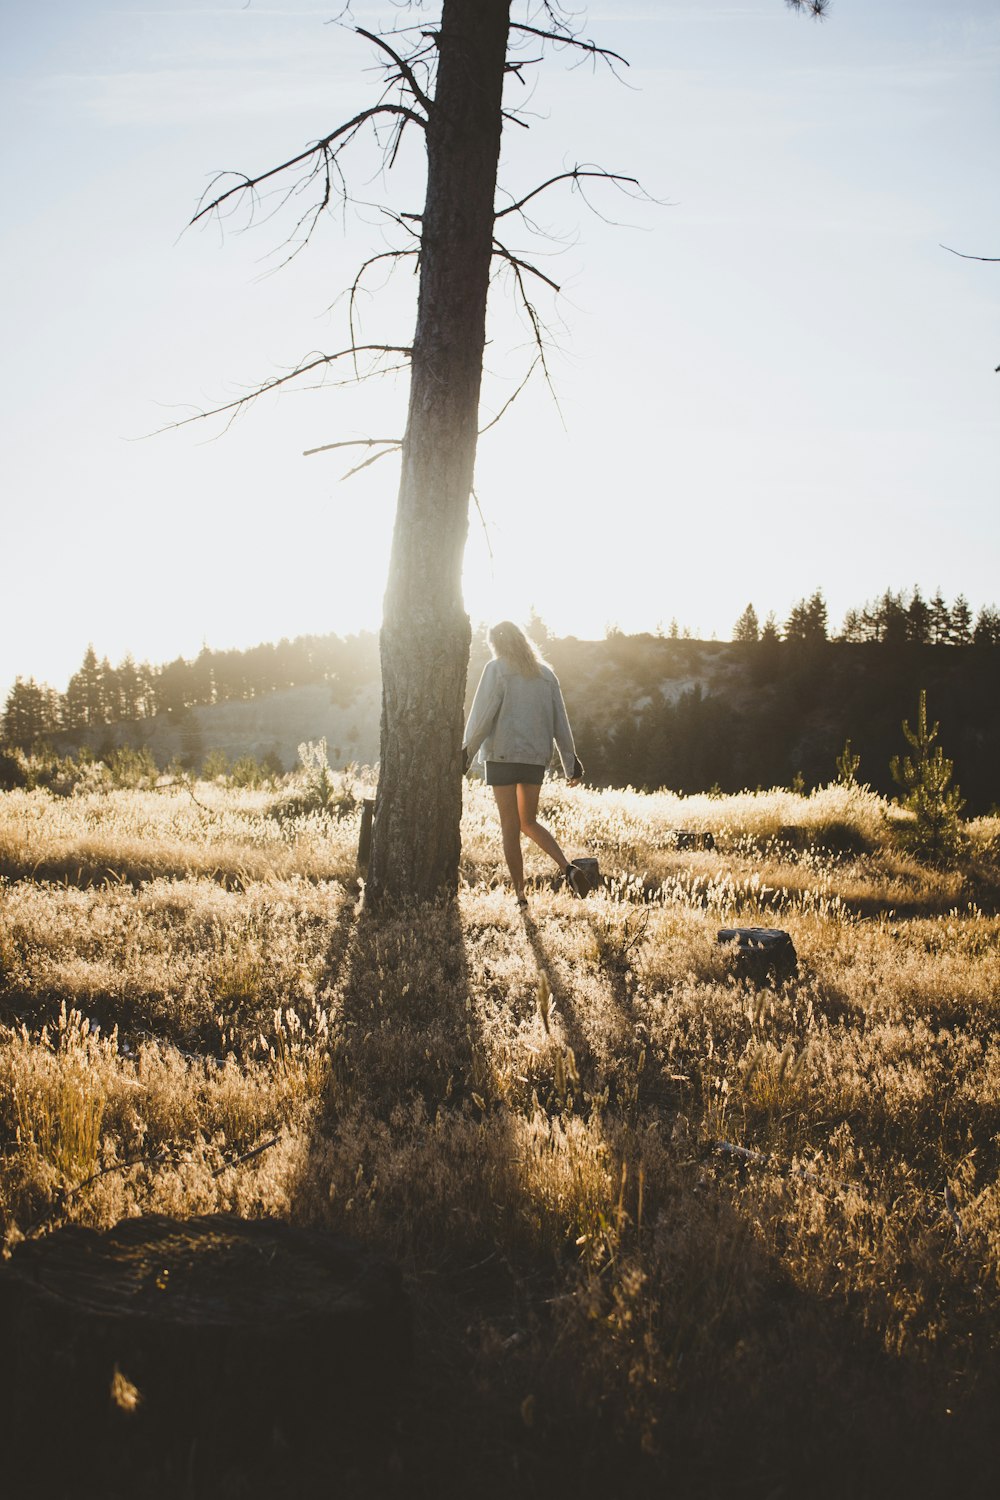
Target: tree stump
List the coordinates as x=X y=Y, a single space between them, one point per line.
x=692 y=838
x=761 y=954
x=215 y=1336
x=590 y=873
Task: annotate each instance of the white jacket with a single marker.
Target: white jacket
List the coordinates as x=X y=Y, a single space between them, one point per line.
x=516 y=718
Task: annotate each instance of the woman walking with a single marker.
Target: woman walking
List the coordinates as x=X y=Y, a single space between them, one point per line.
x=517 y=713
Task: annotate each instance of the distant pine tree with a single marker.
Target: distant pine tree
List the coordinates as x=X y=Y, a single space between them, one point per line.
x=853 y=630
x=747 y=627
x=940 y=621
x=918 y=619
x=30 y=713
x=961 y=622
x=987 y=631
x=893 y=621
x=767 y=657
x=84 y=699
x=807 y=625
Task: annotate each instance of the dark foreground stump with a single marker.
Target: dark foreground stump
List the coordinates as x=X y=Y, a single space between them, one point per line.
x=761 y=954
x=169 y=1347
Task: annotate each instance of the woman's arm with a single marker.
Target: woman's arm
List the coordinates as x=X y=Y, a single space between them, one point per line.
x=563 y=733
x=485 y=707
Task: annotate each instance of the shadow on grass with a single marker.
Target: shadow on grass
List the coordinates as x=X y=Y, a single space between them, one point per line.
x=412 y=1153
x=563 y=1001
x=665 y=1352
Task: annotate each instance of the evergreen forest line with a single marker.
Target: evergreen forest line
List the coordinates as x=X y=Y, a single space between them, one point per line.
x=773 y=707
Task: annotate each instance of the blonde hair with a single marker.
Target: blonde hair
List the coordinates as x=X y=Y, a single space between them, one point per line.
x=509 y=642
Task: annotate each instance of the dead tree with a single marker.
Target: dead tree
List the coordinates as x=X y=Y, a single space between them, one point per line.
x=446 y=80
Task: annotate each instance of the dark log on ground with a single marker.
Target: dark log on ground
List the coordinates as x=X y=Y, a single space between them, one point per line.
x=692 y=838
x=175 y=1353
x=761 y=954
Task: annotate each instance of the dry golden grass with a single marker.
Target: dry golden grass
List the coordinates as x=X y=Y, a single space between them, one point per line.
x=135 y=836
x=659 y=1223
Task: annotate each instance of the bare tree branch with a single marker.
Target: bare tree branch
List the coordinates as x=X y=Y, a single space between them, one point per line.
x=405 y=70
x=575 y=175
x=482 y=522
x=343 y=133
x=992 y=259
x=523 y=265
x=312 y=215
x=401 y=218
x=567 y=39
x=373 y=460
x=321 y=361
x=539 y=331
x=354 y=443
x=321 y=161
x=524 y=62
x=391 y=255
x=385 y=445
x=510 y=400
x=375 y=373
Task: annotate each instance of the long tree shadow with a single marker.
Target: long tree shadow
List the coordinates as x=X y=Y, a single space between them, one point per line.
x=410 y=1151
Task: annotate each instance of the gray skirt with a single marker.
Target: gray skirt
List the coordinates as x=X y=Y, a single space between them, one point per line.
x=512 y=773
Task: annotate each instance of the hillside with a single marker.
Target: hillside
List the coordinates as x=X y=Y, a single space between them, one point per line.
x=274 y=725
x=649 y=712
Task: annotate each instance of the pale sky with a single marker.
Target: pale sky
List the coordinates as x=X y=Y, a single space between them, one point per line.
x=771 y=379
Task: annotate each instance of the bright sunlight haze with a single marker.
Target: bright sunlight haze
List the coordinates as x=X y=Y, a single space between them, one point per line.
x=770 y=376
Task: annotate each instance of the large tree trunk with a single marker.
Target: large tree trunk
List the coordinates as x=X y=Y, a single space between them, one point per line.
x=425 y=629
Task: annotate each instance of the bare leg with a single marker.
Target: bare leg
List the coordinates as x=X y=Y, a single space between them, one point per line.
x=527 y=803
x=510 y=828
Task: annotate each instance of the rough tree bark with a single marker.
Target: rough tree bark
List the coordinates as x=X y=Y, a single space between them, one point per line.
x=425 y=631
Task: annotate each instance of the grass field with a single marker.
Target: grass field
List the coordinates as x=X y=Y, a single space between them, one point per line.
x=665 y=1231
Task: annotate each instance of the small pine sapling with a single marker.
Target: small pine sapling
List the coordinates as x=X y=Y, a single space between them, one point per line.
x=935 y=833
x=847 y=766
